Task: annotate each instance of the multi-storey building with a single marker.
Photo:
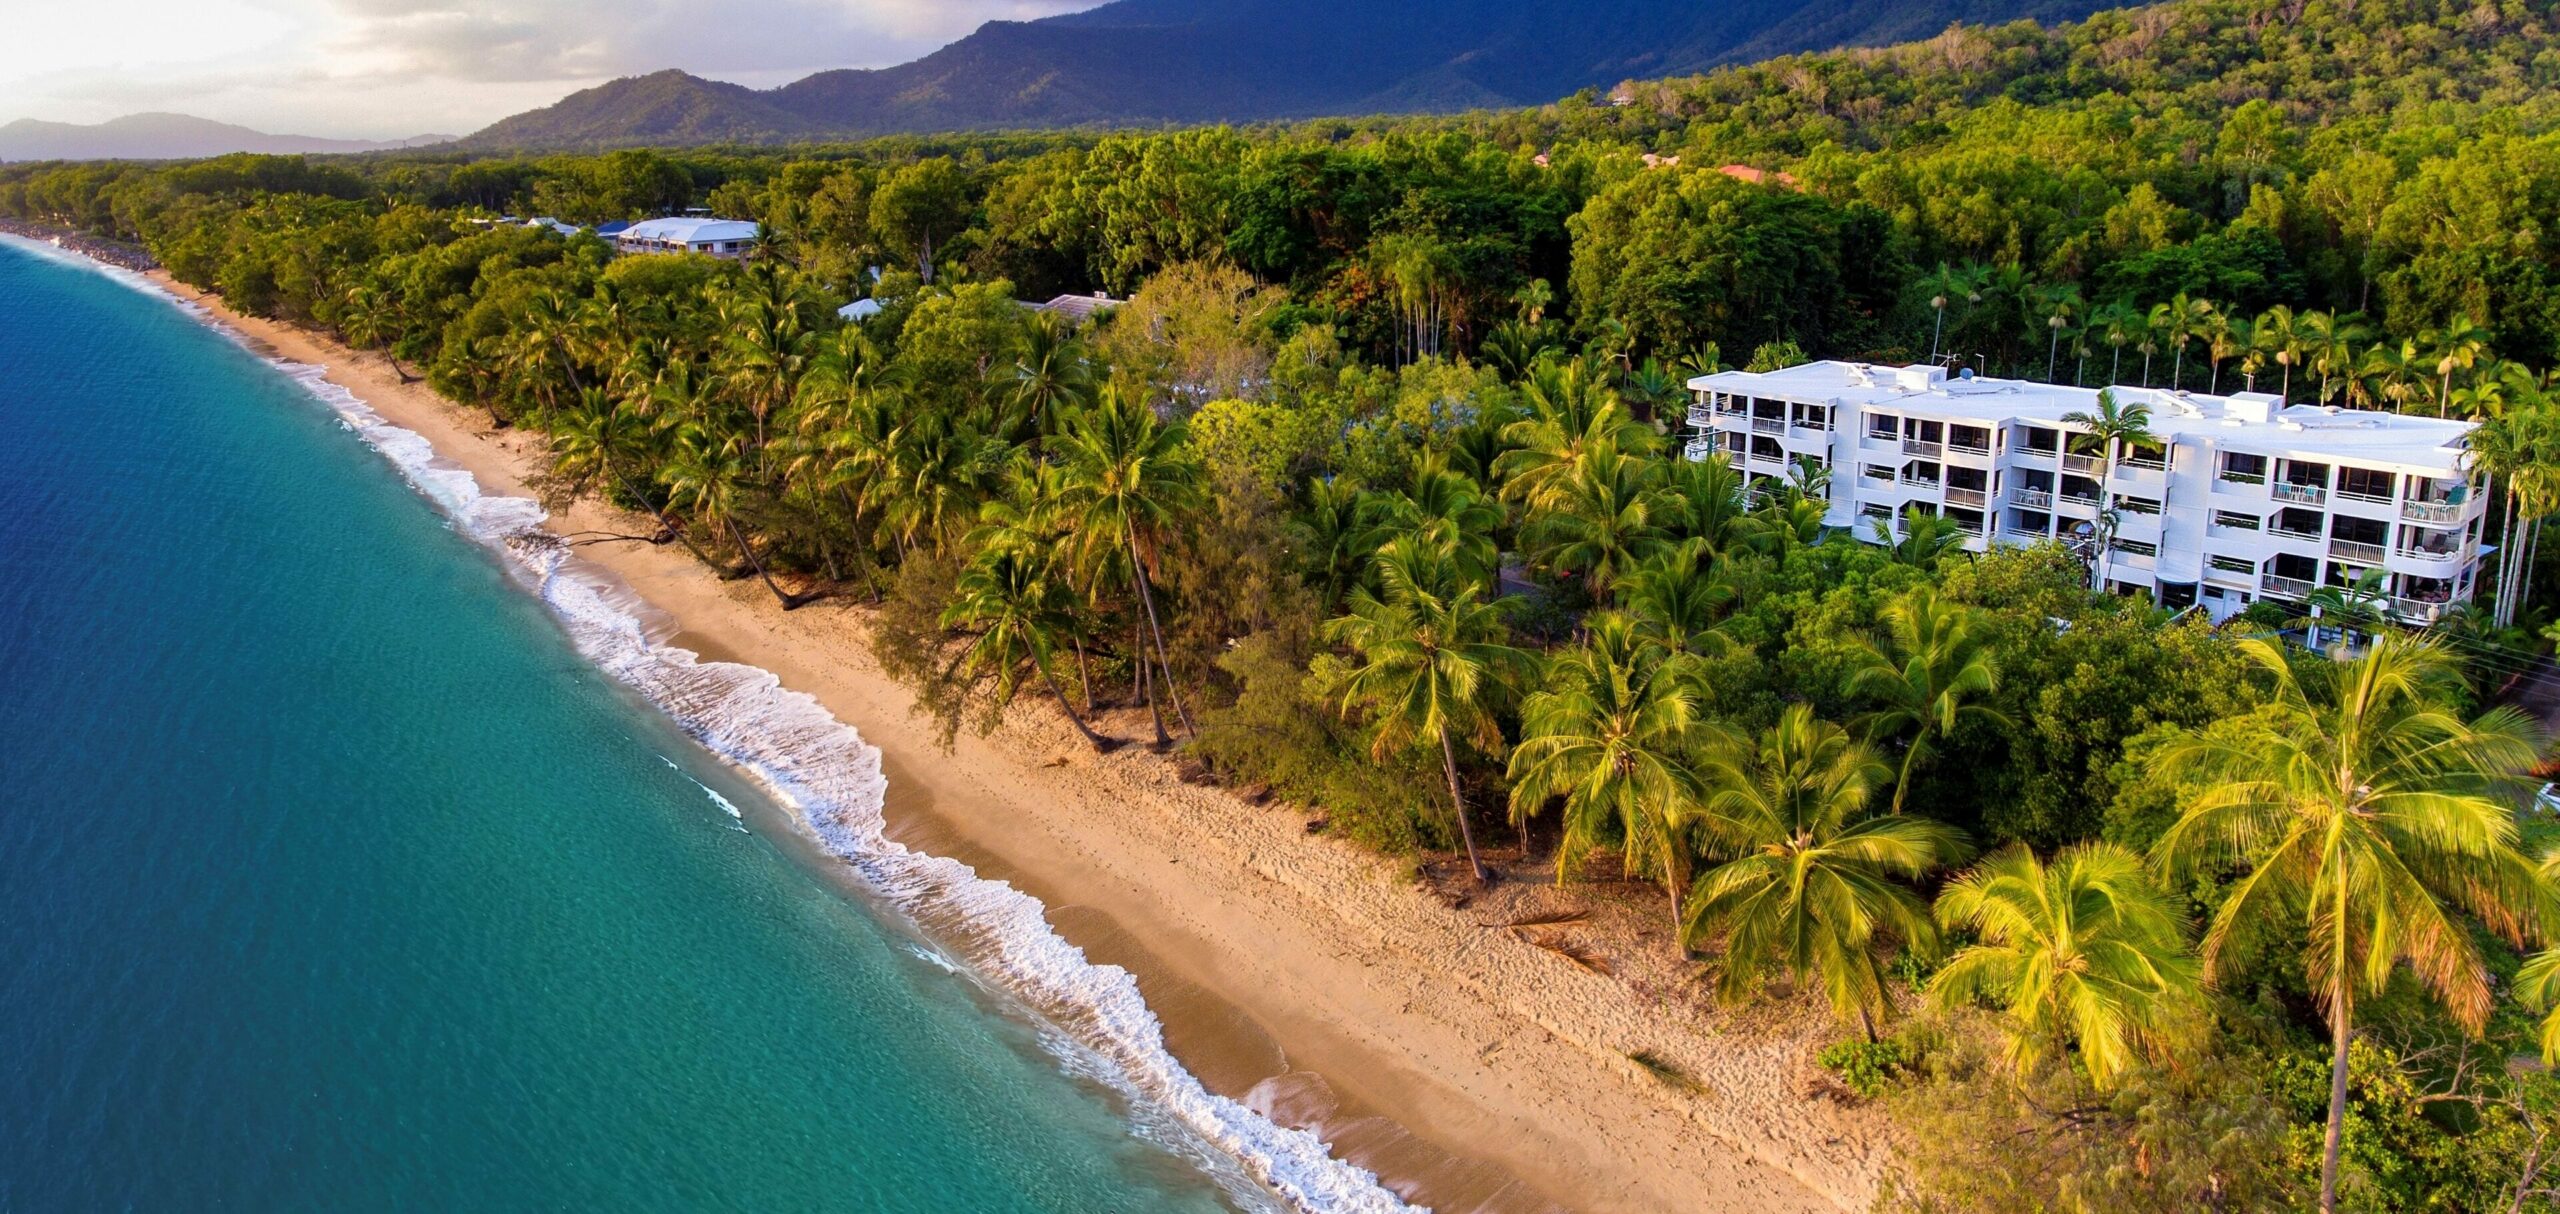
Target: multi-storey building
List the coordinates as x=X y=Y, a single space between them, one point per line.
x=2243 y=499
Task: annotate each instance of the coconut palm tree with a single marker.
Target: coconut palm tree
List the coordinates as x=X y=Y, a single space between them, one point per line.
x=1925 y=537
x=1811 y=886
x=1130 y=481
x=1704 y=501
x=2455 y=347
x=1014 y=613
x=1051 y=375
x=1428 y=667
x=709 y=479
x=1927 y=678
x=2225 y=336
x=2119 y=324
x=1573 y=411
x=2116 y=426
x=1599 y=523
x=1446 y=507
x=2279 y=334
x=601 y=442
x=2057 y=305
x=1608 y=735
x=2328 y=346
x=2367 y=817
x=1679 y=596
x=2084 y=951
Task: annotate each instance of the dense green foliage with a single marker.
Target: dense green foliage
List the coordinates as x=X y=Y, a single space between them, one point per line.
x=1367 y=496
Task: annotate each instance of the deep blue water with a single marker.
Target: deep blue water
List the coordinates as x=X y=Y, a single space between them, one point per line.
x=331 y=877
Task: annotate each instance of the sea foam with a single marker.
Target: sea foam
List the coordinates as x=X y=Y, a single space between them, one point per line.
x=822 y=770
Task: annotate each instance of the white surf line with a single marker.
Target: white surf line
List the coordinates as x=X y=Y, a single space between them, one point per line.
x=820 y=768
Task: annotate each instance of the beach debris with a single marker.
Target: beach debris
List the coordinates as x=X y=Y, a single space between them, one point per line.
x=1666 y=1071
x=1546 y=919
x=1570 y=950
x=1255 y=794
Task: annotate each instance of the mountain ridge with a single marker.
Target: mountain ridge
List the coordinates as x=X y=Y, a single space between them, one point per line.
x=1160 y=62
x=159 y=135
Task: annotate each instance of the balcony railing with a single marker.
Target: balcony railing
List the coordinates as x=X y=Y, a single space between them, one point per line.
x=1701 y=417
x=2417 y=612
x=2418 y=553
x=2370 y=499
x=2228 y=577
x=1920 y=481
x=2085 y=465
x=2033 y=499
x=2431 y=512
x=1698 y=449
x=1923 y=448
x=1967 y=448
x=2079 y=499
x=2279 y=529
x=2144 y=463
x=2244 y=478
x=2289 y=587
x=2305 y=495
x=1768 y=425
x=2350 y=550
x=1966 y=497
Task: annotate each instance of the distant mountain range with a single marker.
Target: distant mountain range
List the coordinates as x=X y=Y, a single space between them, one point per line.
x=167 y=137
x=1145 y=62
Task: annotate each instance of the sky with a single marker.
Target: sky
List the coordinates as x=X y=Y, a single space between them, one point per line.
x=390 y=69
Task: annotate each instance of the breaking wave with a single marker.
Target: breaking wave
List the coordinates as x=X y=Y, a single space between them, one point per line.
x=822 y=770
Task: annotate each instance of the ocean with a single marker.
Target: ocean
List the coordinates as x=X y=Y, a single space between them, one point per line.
x=364 y=851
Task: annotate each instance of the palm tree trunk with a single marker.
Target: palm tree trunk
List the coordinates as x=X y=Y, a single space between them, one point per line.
x=1147 y=688
x=1937 y=332
x=2052 y=350
x=1147 y=598
x=1458 y=801
x=2115 y=370
x=1100 y=745
x=665 y=522
x=1084 y=675
x=2339 y=1034
x=788 y=602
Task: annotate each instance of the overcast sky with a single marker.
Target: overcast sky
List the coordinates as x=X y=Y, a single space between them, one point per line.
x=394 y=68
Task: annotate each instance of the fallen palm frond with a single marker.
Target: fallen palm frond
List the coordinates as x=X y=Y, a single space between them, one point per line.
x=1546 y=919
x=1664 y=1069
x=1572 y=952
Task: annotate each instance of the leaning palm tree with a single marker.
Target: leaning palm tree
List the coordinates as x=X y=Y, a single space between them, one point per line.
x=600 y=443
x=1015 y=614
x=2367 y=817
x=1811 y=888
x=1930 y=681
x=1428 y=665
x=2116 y=426
x=1130 y=480
x=709 y=480
x=2084 y=951
x=1608 y=735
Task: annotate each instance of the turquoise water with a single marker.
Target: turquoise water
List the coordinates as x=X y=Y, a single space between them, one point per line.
x=332 y=877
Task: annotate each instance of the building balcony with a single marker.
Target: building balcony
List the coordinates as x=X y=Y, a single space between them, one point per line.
x=1914 y=482
x=2280 y=532
x=2431 y=512
x=1975 y=498
x=1768 y=425
x=2366 y=499
x=1923 y=448
x=2431 y=556
x=2285 y=587
x=2229 y=577
x=1974 y=449
x=2032 y=499
x=2089 y=500
x=2084 y=465
x=1701 y=417
x=2299 y=495
x=2242 y=478
x=2416 y=612
x=1698 y=449
x=2355 y=553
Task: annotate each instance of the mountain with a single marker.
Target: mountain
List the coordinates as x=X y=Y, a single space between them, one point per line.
x=166 y=137
x=1146 y=62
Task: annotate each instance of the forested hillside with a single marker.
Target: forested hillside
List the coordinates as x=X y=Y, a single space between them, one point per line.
x=1368 y=497
x=1152 y=62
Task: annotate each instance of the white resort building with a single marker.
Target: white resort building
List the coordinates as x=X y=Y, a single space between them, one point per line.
x=732 y=238
x=2244 y=500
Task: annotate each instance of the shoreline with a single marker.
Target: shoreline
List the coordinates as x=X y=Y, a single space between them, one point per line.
x=1468 y=1067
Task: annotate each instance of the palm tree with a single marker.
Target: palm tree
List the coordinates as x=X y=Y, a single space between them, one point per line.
x=2119 y=323
x=1944 y=286
x=709 y=480
x=2359 y=606
x=2329 y=346
x=1446 y=507
x=2059 y=304
x=1811 y=886
x=1928 y=682
x=2225 y=335
x=2179 y=321
x=2280 y=335
x=2116 y=426
x=601 y=441
x=1129 y=481
x=2389 y=373
x=1599 y=522
x=1573 y=411
x=2084 y=951
x=1704 y=501
x=1925 y=537
x=1430 y=664
x=1051 y=376
x=1679 y=596
x=1608 y=734
x=2456 y=346
x=1018 y=614
x=2369 y=815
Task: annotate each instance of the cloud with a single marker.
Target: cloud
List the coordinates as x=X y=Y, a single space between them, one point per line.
x=394 y=68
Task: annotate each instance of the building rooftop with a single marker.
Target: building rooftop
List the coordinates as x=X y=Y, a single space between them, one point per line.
x=690 y=230
x=2251 y=421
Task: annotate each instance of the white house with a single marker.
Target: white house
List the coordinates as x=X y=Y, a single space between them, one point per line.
x=2246 y=499
x=731 y=238
x=859 y=310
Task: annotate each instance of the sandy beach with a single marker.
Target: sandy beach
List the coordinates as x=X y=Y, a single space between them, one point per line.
x=1470 y=1065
